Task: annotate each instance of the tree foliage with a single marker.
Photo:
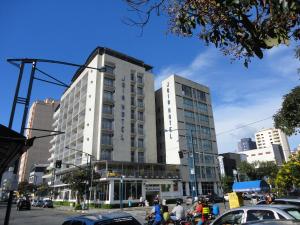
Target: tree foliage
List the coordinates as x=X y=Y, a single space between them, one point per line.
x=226 y=183
x=259 y=170
x=288 y=117
x=241 y=28
x=288 y=176
x=25 y=188
x=77 y=181
x=43 y=190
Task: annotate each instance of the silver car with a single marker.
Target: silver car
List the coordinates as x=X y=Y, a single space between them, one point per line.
x=282 y=201
x=259 y=212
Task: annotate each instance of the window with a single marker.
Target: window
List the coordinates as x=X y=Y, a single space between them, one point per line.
x=140 y=78
x=105 y=154
x=140 y=143
x=107 y=109
x=132 y=114
x=140 y=129
x=132 y=128
x=140 y=91
x=132 y=88
x=187 y=91
x=205 y=130
x=190 y=128
x=188 y=103
x=165 y=187
x=108 y=96
x=132 y=142
x=207 y=145
x=202 y=107
x=201 y=95
x=233 y=218
x=106 y=139
x=203 y=118
x=132 y=156
x=140 y=103
x=209 y=159
x=107 y=124
x=253 y=215
x=141 y=116
x=140 y=157
x=132 y=75
x=132 y=101
x=109 y=69
x=108 y=82
x=294 y=213
x=189 y=114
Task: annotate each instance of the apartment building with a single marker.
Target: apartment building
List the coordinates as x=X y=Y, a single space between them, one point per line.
x=110 y=115
x=246 y=144
x=186 y=132
x=267 y=137
x=40 y=117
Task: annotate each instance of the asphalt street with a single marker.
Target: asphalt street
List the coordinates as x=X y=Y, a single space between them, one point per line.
x=56 y=216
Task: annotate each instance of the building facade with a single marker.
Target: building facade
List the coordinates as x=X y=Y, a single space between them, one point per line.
x=36 y=174
x=246 y=144
x=109 y=116
x=272 y=153
x=188 y=133
x=229 y=163
x=40 y=117
x=267 y=137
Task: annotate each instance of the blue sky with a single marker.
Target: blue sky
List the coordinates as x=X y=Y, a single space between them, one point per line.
x=70 y=30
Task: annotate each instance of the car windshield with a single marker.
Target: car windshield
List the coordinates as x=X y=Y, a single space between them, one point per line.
x=294 y=213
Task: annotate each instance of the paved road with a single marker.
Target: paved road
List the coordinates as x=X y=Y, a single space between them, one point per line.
x=56 y=216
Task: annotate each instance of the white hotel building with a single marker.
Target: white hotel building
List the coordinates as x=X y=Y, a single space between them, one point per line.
x=111 y=116
x=184 y=107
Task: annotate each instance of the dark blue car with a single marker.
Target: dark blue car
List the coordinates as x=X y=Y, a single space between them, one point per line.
x=115 y=218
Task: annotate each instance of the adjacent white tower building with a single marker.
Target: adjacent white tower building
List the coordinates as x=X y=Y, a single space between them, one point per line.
x=187 y=113
x=267 y=137
x=103 y=113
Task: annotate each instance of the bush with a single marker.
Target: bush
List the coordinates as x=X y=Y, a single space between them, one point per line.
x=62 y=203
x=106 y=206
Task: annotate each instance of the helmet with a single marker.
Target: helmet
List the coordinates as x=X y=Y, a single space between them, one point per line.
x=178 y=201
x=155 y=201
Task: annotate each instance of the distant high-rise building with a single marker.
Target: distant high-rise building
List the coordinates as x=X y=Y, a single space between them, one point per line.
x=229 y=162
x=183 y=108
x=246 y=144
x=40 y=117
x=267 y=137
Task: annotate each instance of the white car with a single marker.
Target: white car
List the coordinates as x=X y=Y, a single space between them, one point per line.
x=259 y=212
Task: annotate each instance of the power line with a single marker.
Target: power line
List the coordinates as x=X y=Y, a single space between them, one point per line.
x=258 y=121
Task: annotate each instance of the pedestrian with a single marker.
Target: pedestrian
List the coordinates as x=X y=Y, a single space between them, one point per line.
x=130 y=201
x=141 y=202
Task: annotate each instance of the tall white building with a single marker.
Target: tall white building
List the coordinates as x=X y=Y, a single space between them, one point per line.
x=187 y=113
x=267 y=137
x=111 y=116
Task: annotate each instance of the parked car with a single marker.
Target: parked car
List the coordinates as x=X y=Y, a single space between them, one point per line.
x=23 y=204
x=214 y=198
x=257 y=213
x=47 y=204
x=282 y=201
x=273 y=222
x=37 y=203
x=115 y=218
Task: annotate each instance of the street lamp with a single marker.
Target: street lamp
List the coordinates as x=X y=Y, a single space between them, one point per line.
x=89 y=164
x=191 y=161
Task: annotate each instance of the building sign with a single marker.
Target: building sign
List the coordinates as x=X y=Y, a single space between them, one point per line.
x=123 y=109
x=153 y=187
x=169 y=110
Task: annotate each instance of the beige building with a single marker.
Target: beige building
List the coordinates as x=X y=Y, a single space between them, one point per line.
x=267 y=137
x=185 y=109
x=40 y=117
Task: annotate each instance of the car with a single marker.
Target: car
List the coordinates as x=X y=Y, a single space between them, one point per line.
x=23 y=204
x=47 y=204
x=247 y=196
x=38 y=203
x=214 y=198
x=259 y=212
x=33 y=202
x=273 y=222
x=115 y=218
x=282 y=201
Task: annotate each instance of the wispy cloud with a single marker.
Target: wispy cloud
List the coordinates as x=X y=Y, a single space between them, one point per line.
x=240 y=95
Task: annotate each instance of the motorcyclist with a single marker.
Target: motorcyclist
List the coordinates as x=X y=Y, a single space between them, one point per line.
x=156 y=211
x=177 y=212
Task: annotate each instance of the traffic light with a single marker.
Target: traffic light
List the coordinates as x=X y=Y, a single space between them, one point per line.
x=180 y=154
x=58 y=164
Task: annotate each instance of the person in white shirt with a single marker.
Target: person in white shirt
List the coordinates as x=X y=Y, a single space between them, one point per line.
x=177 y=212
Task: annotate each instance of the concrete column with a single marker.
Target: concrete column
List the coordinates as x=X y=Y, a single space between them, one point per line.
x=111 y=191
x=200 y=188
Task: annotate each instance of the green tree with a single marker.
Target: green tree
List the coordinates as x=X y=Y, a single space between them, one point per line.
x=25 y=188
x=242 y=28
x=226 y=183
x=288 y=117
x=77 y=181
x=43 y=190
x=248 y=169
x=288 y=176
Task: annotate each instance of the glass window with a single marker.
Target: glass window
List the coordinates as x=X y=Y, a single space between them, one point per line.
x=107 y=95
x=140 y=143
x=106 y=139
x=209 y=159
x=201 y=95
x=132 y=142
x=132 y=101
x=140 y=157
x=105 y=154
x=203 y=118
x=294 y=213
x=132 y=75
x=165 y=187
x=103 y=191
x=202 y=107
x=107 y=124
x=132 y=114
x=187 y=91
x=232 y=218
x=132 y=156
x=188 y=103
x=141 y=116
x=107 y=109
x=140 y=91
x=109 y=69
x=190 y=128
x=132 y=128
x=132 y=88
x=140 y=78
x=108 y=82
x=189 y=114
x=205 y=130
x=207 y=145
x=253 y=215
x=140 y=103
x=141 y=129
